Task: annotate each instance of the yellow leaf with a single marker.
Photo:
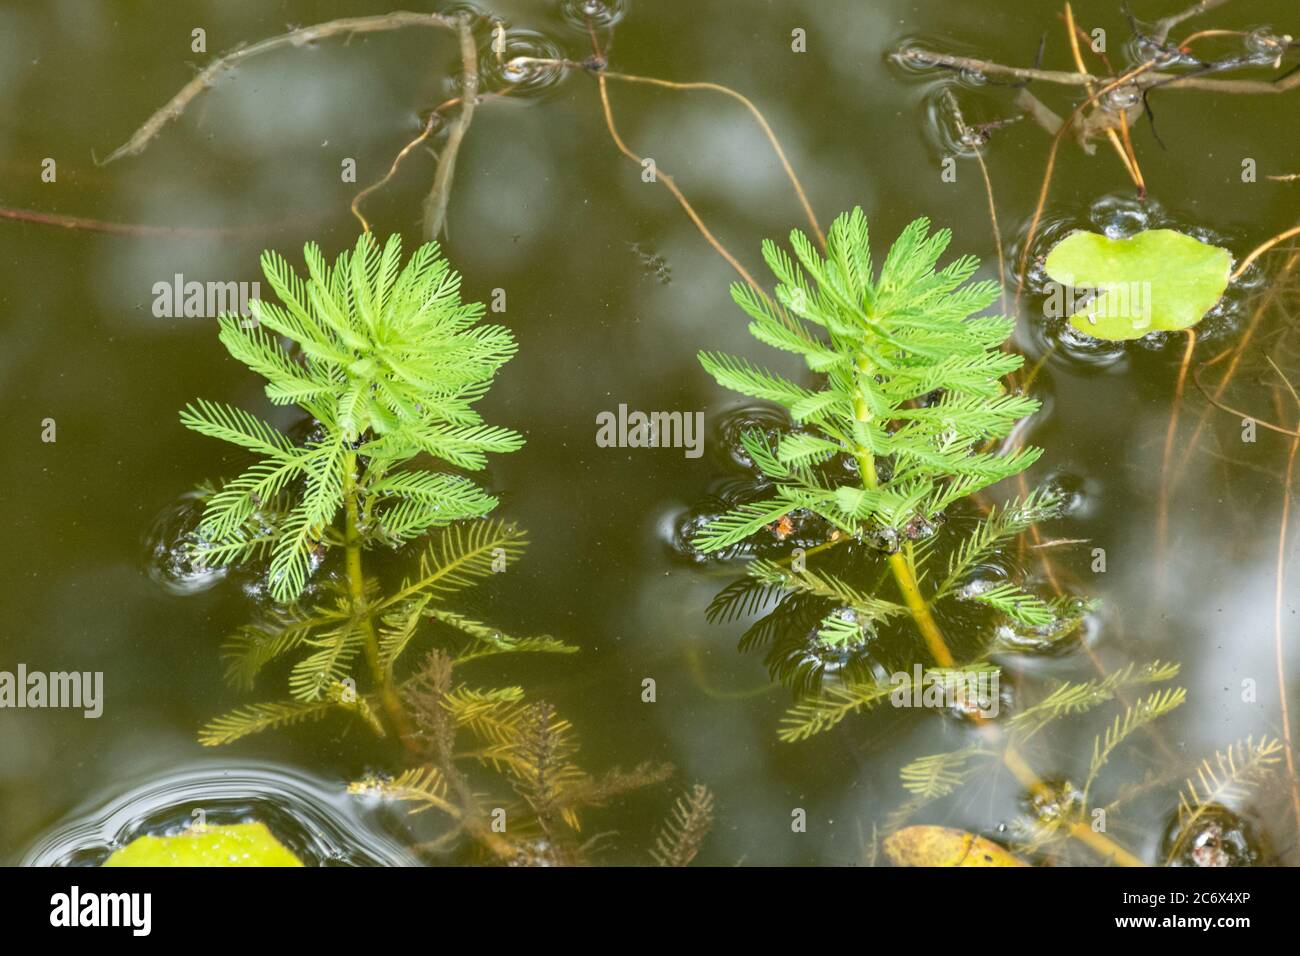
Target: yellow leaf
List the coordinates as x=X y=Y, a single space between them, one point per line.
x=944 y=846
x=239 y=844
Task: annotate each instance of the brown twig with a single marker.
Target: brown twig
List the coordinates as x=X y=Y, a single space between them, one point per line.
x=917 y=56
x=435 y=205
x=1125 y=148
x=174 y=107
x=1164 y=26
x=1023 y=270
x=406 y=150
x=1260 y=250
x=758 y=118
x=1238 y=413
x=129 y=228
x=1274 y=290
x=964 y=132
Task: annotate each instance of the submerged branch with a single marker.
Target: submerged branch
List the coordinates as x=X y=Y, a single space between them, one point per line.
x=435 y=206
x=429 y=126
x=1195 y=10
x=302 y=36
x=918 y=56
x=130 y=228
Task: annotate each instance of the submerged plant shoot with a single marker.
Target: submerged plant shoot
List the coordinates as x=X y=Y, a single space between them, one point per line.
x=652 y=435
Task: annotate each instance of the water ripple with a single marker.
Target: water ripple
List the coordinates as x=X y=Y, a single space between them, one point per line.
x=320 y=823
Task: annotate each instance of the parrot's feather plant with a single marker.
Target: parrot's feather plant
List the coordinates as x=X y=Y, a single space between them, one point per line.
x=388 y=362
x=910 y=395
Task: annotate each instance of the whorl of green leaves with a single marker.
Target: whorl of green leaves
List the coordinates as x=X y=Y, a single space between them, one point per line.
x=388 y=361
x=882 y=343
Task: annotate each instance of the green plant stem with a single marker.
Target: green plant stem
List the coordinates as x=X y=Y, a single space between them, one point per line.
x=903 y=567
x=1099 y=843
x=382 y=676
x=905 y=575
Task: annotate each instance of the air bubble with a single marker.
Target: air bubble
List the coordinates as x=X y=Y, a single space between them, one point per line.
x=769 y=422
x=681 y=529
x=1122 y=98
x=601 y=14
x=1214 y=837
x=1078 y=494
x=513 y=68
x=170 y=544
x=1265 y=46
x=1120 y=217
x=1054 y=801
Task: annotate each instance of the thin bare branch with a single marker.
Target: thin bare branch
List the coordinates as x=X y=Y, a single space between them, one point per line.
x=174 y=107
x=435 y=205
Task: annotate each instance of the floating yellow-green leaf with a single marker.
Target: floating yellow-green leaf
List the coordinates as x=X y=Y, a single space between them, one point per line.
x=239 y=844
x=1158 y=280
x=944 y=846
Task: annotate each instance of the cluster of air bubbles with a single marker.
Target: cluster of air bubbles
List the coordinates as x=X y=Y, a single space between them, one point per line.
x=1054 y=802
x=765 y=421
x=828 y=657
x=173 y=543
x=253 y=579
x=1212 y=837
x=884 y=540
x=598 y=14
x=524 y=63
x=919 y=527
x=847 y=619
x=981 y=580
x=1119 y=217
x=799 y=528
x=534 y=853
x=1122 y=98
x=1267 y=47
x=1078 y=494
x=1144 y=49
x=1076 y=625
x=1082 y=349
x=742 y=481
x=977 y=695
x=683 y=528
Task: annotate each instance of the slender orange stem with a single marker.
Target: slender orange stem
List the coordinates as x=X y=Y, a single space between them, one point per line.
x=1260 y=250
x=1126 y=155
x=661 y=176
x=1274 y=291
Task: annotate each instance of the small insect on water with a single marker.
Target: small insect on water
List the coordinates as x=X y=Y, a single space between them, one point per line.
x=652 y=263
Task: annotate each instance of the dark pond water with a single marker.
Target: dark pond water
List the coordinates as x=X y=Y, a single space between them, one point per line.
x=611 y=291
